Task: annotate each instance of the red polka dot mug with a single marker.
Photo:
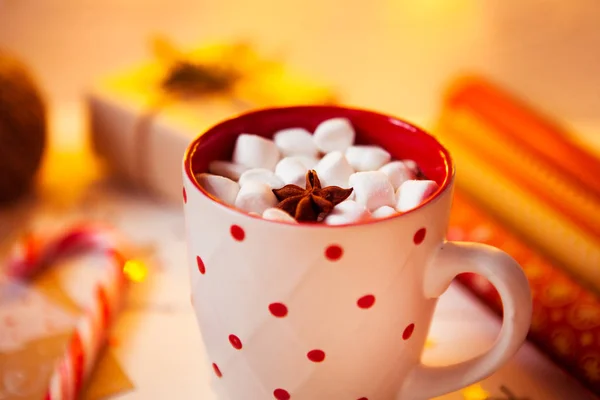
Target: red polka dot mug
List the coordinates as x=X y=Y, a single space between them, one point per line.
x=320 y=312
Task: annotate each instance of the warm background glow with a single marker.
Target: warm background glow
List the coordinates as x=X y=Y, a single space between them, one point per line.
x=394 y=55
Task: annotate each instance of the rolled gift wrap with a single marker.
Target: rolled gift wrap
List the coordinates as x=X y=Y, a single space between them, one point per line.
x=566 y=316
x=545 y=139
x=513 y=158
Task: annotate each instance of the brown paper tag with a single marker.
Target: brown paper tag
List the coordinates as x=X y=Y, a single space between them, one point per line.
x=49 y=284
x=25 y=373
x=107 y=379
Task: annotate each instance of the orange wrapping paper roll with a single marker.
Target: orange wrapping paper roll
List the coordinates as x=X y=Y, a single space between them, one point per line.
x=529 y=129
x=566 y=316
x=525 y=171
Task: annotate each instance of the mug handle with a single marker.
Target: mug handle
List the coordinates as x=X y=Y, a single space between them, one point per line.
x=452 y=259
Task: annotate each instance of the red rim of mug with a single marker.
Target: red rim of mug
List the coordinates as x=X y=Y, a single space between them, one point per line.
x=214 y=130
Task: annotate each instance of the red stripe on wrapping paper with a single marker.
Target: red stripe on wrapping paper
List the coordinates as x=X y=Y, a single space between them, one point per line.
x=65 y=385
x=532 y=184
x=105 y=309
x=546 y=140
x=77 y=360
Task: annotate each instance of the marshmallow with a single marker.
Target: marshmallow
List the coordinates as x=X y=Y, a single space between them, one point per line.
x=276 y=214
x=334 y=170
x=367 y=158
x=412 y=165
x=336 y=134
x=254 y=151
x=347 y=212
x=383 y=212
x=412 y=193
x=308 y=162
x=295 y=141
x=255 y=197
x=261 y=175
x=222 y=188
x=398 y=172
x=227 y=169
x=373 y=189
x=291 y=171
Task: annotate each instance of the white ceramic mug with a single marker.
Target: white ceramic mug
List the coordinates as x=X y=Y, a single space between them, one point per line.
x=317 y=312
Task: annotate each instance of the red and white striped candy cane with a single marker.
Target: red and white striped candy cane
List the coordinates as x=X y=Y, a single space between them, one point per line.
x=37 y=252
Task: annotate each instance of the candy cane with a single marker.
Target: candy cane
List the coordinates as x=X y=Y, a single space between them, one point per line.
x=35 y=253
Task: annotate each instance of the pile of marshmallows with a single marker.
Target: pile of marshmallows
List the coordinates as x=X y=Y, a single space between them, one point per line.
x=381 y=186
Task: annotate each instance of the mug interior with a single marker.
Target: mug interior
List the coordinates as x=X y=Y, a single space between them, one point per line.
x=401 y=139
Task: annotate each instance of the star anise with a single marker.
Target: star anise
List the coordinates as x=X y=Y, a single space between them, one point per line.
x=312 y=203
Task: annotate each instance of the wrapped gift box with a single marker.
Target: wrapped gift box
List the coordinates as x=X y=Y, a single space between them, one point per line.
x=140 y=125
